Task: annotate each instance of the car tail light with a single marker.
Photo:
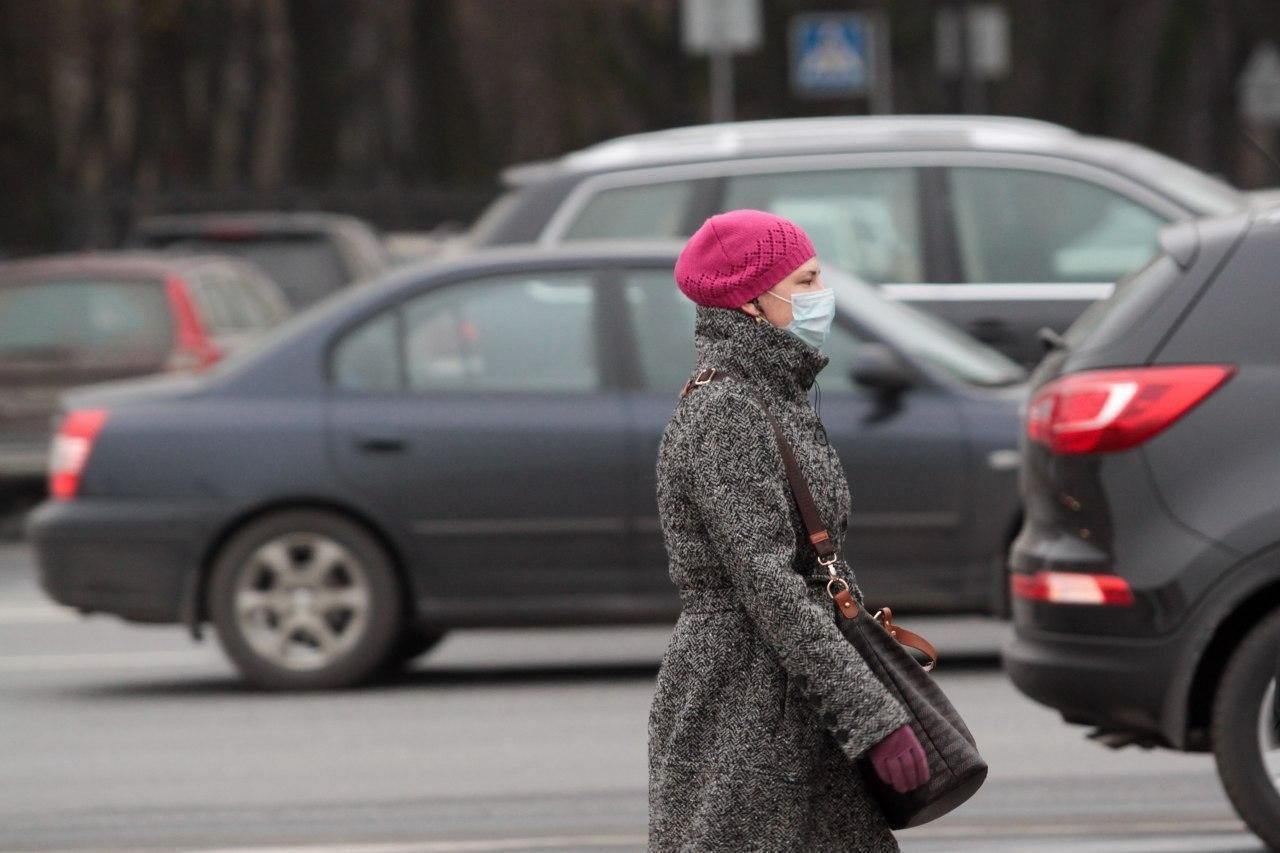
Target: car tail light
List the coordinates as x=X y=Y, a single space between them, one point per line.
x=70 y=451
x=195 y=350
x=1100 y=411
x=1072 y=588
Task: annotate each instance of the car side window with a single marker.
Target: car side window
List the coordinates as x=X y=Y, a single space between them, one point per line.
x=212 y=302
x=526 y=332
x=864 y=221
x=842 y=348
x=662 y=327
x=652 y=211
x=368 y=359
x=1021 y=226
x=263 y=296
x=240 y=308
x=522 y=333
x=249 y=310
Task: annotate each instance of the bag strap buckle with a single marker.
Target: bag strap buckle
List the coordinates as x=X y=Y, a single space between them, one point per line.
x=703 y=377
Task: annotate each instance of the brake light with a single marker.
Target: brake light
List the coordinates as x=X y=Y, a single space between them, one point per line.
x=1072 y=588
x=1101 y=411
x=70 y=450
x=195 y=350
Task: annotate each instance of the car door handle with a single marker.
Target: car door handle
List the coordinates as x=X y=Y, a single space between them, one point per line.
x=381 y=443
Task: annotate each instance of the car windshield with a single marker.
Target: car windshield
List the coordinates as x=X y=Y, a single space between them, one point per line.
x=924 y=337
x=306 y=266
x=84 y=319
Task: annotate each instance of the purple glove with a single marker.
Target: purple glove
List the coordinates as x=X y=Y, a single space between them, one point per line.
x=899 y=760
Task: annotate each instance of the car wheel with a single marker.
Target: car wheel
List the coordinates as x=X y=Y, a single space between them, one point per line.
x=305 y=600
x=1246 y=730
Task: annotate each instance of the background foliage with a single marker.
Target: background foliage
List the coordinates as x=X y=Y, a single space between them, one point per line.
x=406 y=110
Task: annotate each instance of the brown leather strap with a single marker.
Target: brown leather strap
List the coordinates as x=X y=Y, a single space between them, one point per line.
x=908 y=638
x=849 y=609
x=818 y=536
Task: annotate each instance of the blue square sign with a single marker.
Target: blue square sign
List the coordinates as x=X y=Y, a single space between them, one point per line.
x=831 y=54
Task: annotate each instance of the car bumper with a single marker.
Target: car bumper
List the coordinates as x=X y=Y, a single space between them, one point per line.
x=137 y=560
x=1115 y=683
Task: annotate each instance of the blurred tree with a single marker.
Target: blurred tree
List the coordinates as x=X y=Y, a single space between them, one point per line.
x=405 y=110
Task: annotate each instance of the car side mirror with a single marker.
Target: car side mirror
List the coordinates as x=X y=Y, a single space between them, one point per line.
x=881 y=369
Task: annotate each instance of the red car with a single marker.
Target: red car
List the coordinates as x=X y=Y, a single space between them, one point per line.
x=77 y=319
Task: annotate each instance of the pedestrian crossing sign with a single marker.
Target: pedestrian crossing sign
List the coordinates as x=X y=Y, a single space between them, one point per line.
x=831 y=54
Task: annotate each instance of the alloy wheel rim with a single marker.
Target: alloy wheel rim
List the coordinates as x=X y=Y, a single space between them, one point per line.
x=1269 y=734
x=302 y=601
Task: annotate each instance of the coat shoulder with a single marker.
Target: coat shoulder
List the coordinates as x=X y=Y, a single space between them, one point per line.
x=723 y=410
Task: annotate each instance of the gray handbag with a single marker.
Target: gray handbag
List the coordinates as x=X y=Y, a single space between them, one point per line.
x=957 y=769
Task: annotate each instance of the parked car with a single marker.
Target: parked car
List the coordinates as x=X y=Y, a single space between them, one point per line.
x=1146 y=577
x=76 y=319
x=472 y=443
x=310 y=255
x=999 y=225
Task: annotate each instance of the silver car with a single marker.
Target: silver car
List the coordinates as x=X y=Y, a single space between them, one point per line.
x=999 y=225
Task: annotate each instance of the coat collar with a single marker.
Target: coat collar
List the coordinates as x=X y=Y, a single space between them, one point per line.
x=775 y=361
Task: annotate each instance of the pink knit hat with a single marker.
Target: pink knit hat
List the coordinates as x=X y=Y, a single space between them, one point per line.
x=736 y=256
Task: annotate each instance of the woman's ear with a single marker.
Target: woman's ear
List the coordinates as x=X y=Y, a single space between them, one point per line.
x=756 y=310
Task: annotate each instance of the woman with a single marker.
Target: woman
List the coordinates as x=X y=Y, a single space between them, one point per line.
x=762 y=707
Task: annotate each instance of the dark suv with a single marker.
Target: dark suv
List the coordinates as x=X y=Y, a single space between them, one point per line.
x=1146 y=576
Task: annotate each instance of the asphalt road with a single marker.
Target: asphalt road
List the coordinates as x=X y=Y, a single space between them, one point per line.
x=119 y=737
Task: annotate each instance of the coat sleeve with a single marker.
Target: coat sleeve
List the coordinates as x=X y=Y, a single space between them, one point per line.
x=739 y=487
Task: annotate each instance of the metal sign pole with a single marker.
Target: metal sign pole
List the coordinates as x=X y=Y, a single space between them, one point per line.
x=721 y=86
x=881 y=100
x=719 y=29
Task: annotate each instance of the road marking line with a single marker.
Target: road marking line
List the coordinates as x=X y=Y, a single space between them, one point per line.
x=105 y=660
x=479 y=845
x=36 y=614
x=1161 y=831
x=1119 y=830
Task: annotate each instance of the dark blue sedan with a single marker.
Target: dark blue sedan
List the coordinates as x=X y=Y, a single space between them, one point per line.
x=472 y=443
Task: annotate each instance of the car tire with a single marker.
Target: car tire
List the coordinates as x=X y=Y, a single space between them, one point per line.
x=1246 y=740
x=1002 y=593
x=305 y=600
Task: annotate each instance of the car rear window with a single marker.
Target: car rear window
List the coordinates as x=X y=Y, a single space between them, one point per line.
x=308 y=267
x=1133 y=298
x=84 y=319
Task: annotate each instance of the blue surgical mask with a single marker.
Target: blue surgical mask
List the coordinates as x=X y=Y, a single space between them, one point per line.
x=811 y=315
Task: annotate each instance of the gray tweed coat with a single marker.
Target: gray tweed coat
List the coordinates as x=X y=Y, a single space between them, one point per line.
x=761 y=705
